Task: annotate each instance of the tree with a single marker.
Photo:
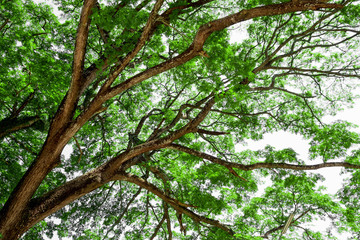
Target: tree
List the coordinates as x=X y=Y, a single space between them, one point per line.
x=154 y=97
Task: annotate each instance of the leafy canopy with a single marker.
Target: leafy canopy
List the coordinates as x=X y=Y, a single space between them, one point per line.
x=154 y=99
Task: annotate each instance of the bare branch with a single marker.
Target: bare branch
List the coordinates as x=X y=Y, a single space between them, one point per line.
x=269 y=59
x=168 y=221
x=279 y=89
x=124 y=211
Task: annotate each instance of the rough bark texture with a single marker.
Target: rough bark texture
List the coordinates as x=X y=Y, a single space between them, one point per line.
x=15 y=212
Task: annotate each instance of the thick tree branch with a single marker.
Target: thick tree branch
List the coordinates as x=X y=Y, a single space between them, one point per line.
x=80 y=47
x=12 y=214
x=43 y=206
x=76 y=86
x=214 y=133
x=206 y=30
x=72 y=190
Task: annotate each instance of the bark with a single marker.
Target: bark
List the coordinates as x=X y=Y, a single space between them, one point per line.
x=250 y=167
x=178 y=206
x=15 y=123
x=8 y=126
x=14 y=212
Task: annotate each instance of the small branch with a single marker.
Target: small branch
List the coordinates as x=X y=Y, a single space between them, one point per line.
x=23 y=105
x=232 y=171
x=158 y=226
x=270 y=59
x=124 y=212
x=168 y=221
x=4 y=24
x=28 y=149
x=312 y=112
x=279 y=89
x=266 y=235
x=178 y=206
x=143 y=119
x=251 y=167
x=141 y=42
x=295 y=69
x=81 y=152
x=8 y=126
x=179 y=217
x=214 y=133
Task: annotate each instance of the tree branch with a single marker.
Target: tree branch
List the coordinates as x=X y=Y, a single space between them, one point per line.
x=124 y=211
x=269 y=59
x=206 y=30
x=141 y=42
x=23 y=105
x=266 y=235
x=8 y=126
x=214 y=133
x=76 y=86
x=295 y=69
x=4 y=24
x=178 y=206
x=254 y=166
x=158 y=226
